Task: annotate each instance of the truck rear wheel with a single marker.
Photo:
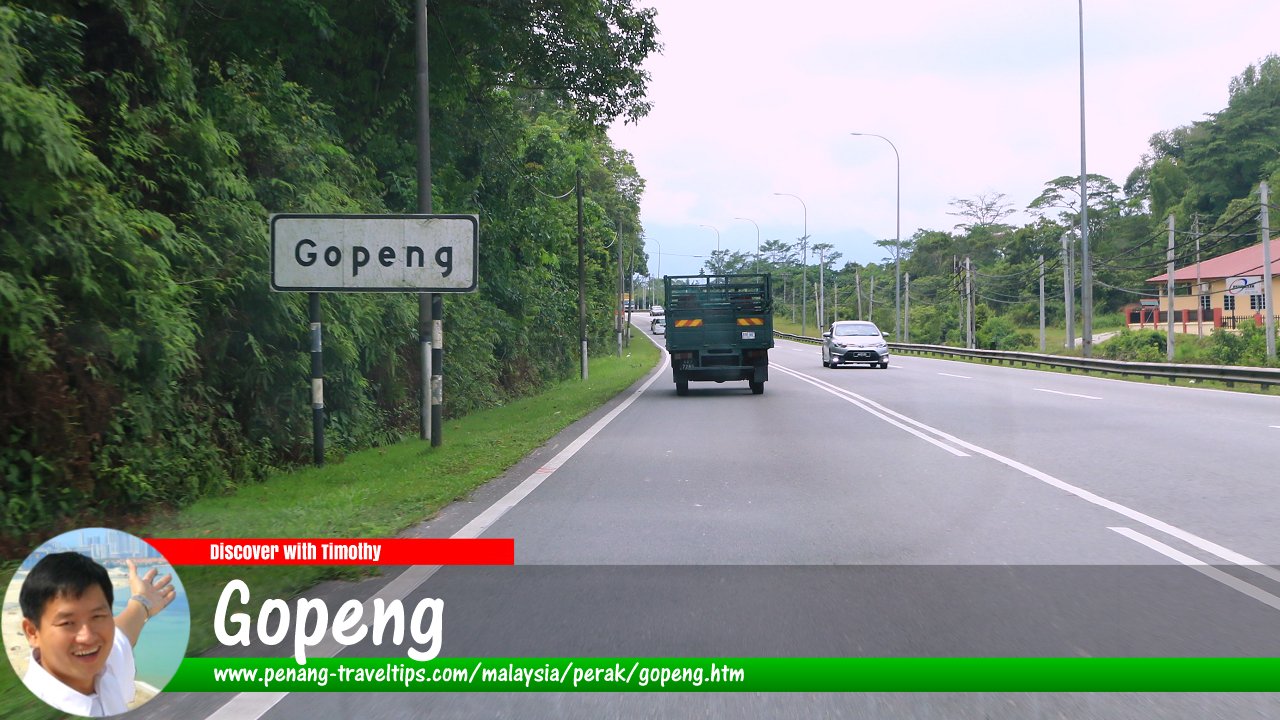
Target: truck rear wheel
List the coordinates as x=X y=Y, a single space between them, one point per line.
x=757 y=388
x=682 y=387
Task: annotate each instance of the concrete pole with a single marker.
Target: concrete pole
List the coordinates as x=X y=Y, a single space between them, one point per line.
x=1042 y=340
x=1268 y=292
x=857 y=290
x=1068 y=291
x=1086 y=266
x=955 y=268
x=1195 y=230
x=906 y=308
x=968 y=303
x=822 y=287
x=1169 y=289
x=804 y=280
x=582 y=282
x=621 y=289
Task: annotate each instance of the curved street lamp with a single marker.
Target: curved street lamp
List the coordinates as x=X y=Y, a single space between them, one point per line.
x=753 y=222
x=804 y=266
x=1086 y=267
x=719 y=262
x=897 y=248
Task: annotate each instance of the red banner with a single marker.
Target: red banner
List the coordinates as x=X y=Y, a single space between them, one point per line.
x=336 y=551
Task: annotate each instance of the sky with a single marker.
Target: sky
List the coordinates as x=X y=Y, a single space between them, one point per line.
x=753 y=98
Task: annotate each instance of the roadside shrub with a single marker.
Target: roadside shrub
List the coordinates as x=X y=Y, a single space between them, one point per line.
x=1134 y=346
x=999 y=333
x=1247 y=347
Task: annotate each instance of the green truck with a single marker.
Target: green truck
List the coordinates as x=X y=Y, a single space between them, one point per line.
x=719 y=327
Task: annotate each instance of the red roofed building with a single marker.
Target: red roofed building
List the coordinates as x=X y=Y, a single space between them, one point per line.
x=1231 y=292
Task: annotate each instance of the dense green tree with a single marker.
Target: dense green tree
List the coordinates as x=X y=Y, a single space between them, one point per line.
x=146 y=143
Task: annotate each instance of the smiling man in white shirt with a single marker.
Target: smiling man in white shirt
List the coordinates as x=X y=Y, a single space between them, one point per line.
x=81 y=656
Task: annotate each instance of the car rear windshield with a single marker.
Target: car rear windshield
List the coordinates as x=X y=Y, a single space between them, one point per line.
x=846 y=330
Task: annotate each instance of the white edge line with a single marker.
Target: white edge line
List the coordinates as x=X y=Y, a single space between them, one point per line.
x=1199 y=542
x=1189 y=538
x=1202 y=567
x=819 y=384
x=253 y=705
x=1059 y=392
x=247 y=705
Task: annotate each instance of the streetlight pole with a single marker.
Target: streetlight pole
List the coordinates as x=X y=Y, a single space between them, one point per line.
x=804 y=267
x=753 y=222
x=897 y=248
x=719 y=261
x=1086 y=269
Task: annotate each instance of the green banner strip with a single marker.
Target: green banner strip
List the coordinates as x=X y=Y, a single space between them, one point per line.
x=729 y=675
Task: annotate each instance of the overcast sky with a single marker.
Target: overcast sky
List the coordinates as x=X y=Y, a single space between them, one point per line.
x=752 y=98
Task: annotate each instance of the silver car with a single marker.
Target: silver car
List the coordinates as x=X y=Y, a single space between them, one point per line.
x=854 y=341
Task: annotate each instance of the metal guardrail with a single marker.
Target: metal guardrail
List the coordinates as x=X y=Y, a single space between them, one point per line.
x=1229 y=374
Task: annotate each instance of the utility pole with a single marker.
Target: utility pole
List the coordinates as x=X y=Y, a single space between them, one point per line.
x=804 y=278
x=1195 y=231
x=621 y=289
x=1169 y=290
x=582 y=282
x=857 y=290
x=871 y=303
x=906 y=308
x=822 y=286
x=1068 y=290
x=631 y=278
x=1086 y=264
x=1268 y=293
x=960 y=323
x=1042 y=347
x=968 y=305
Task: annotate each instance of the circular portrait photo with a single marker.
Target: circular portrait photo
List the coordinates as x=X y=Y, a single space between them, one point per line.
x=95 y=622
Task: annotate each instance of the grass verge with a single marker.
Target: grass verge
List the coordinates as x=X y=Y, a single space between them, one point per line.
x=374 y=493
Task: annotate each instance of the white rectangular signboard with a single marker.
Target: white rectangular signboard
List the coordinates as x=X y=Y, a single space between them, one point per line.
x=1245 y=285
x=374 y=253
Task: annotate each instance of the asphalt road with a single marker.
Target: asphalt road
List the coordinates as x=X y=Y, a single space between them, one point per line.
x=933 y=508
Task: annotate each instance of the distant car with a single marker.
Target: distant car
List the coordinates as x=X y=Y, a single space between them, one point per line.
x=656 y=311
x=658 y=326
x=854 y=341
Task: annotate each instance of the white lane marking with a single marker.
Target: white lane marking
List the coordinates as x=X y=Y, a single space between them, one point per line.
x=1164 y=527
x=827 y=387
x=481 y=522
x=1276 y=427
x=252 y=706
x=1202 y=567
x=962 y=377
x=1059 y=392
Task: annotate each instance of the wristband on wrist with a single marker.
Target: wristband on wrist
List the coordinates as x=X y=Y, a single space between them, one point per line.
x=145 y=603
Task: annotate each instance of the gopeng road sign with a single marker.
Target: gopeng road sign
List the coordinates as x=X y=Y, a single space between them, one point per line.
x=374 y=253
